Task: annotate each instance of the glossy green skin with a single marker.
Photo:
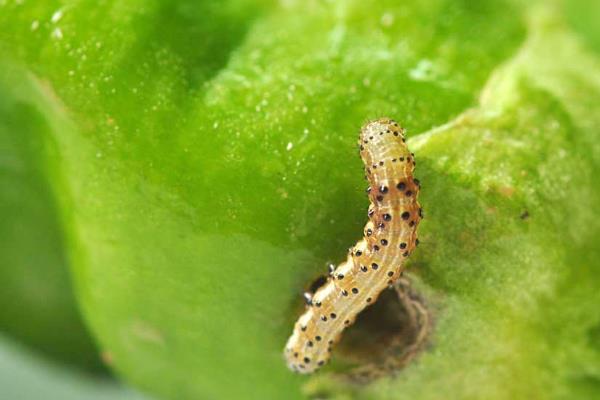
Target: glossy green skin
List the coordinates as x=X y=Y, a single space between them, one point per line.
x=37 y=301
x=208 y=170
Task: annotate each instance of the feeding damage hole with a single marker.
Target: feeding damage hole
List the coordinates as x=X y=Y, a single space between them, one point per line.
x=387 y=335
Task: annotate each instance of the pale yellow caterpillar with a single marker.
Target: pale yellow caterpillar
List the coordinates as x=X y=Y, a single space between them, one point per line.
x=373 y=263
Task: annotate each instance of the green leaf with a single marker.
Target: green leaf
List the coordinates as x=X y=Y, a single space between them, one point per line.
x=208 y=170
x=25 y=376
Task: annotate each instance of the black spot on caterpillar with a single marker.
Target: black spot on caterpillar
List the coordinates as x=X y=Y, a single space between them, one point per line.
x=373 y=263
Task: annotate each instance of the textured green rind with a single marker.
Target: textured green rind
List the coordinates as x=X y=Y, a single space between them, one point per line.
x=37 y=301
x=518 y=271
x=213 y=171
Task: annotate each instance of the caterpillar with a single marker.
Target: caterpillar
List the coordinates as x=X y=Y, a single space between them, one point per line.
x=376 y=261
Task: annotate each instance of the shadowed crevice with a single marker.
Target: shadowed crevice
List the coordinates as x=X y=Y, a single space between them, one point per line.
x=386 y=336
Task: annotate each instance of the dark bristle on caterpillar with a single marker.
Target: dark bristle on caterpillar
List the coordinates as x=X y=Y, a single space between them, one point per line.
x=375 y=261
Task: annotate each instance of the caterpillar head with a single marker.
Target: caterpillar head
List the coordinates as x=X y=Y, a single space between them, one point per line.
x=381 y=138
x=376 y=132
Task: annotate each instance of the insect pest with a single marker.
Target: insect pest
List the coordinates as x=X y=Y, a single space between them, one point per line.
x=376 y=261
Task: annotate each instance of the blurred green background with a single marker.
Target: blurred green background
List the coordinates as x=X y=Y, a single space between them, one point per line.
x=173 y=174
